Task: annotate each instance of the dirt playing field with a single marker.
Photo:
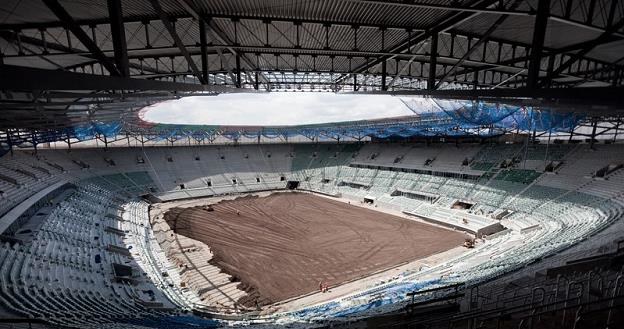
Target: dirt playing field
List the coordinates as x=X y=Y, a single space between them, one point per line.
x=283 y=245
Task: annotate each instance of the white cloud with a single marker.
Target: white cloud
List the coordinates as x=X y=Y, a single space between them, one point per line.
x=275 y=109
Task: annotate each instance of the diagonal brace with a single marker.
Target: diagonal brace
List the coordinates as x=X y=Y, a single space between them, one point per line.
x=474 y=47
x=64 y=16
x=176 y=39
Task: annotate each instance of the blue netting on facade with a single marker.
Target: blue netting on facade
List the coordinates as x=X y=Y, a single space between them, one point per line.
x=85 y=132
x=529 y=119
x=475 y=113
x=367 y=300
x=431 y=118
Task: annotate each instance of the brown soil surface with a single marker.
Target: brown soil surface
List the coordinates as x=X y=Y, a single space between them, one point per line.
x=282 y=245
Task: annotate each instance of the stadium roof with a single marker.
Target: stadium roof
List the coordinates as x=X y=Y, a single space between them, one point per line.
x=70 y=62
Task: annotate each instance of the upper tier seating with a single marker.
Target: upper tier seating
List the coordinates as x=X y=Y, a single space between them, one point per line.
x=56 y=276
x=64 y=275
x=441 y=157
x=559 y=217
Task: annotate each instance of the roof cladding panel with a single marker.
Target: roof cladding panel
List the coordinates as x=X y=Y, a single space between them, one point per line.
x=610 y=52
x=88 y=9
x=341 y=42
x=140 y=8
x=312 y=35
x=159 y=36
x=63 y=37
x=349 y=12
x=370 y=39
x=248 y=32
x=520 y=29
x=19 y=11
x=188 y=31
x=84 y=9
x=341 y=37
x=561 y=34
x=52 y=63
x=283 y=34
x=135 y=35
x=517 y=28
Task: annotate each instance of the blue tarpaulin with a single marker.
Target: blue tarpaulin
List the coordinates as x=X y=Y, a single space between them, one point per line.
x=431 y=118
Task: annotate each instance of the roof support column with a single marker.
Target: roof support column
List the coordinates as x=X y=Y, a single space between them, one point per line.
x=238 y=71
x=593 y=133
x=8 y=138
x=475 y=81
x=433 y=61
x=384 y=74
x=549 y=68
x=539 y=34
x=202 y=45
x=118 y=33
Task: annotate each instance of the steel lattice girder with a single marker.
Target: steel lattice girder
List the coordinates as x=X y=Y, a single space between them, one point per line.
x=607 y=73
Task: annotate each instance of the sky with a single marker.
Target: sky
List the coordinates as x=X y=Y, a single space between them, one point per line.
x=275 y=108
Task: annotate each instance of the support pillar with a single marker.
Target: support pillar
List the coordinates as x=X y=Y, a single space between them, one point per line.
x=68 y=143
x=238 y=71
x=593 y=134
x=433 y=62
x=539 y=34
x=9 y=141
x=202 y=46
x=118 y=34
x=384 y=74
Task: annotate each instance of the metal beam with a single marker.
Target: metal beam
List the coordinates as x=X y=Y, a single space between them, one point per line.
x=69 y=22
x=451 y=7
x=433 y=62
x=118 y=34
x=484 y=38
x=616 y=35
x=443 y=25
x=548 y=52
x=15 y=37
x=217 y=33
x=361 y=23
x=246 y=51
x=589 y=47
x=168 y=51
x=67 y=50
x=176 y=39
x=401 y=71
x=384 y=74
x=413 y=4
x=26 y=78
x=539 y=34
x=143 y=18
x=238 y=71
x=203 y=45
x=296 y=21
x=604 y=100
